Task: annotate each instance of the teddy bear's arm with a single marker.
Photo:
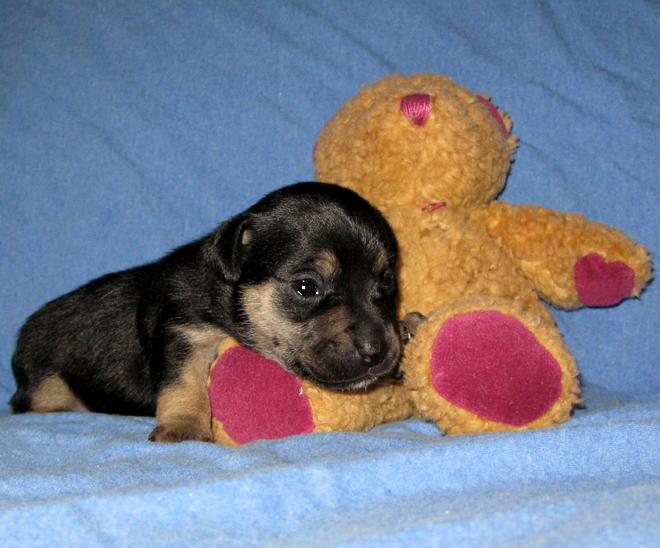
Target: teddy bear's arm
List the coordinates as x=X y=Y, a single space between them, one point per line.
x=571 y=261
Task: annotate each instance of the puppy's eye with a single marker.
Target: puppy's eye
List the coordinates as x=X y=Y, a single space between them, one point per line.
x=307 y=288
x=389 y=281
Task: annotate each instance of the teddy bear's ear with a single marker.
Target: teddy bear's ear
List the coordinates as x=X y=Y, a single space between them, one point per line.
x=503 y=119
x=493 y=110
x=512 y=139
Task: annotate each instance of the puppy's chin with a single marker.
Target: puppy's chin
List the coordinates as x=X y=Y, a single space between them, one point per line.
x=343 y=369
x=362 y=382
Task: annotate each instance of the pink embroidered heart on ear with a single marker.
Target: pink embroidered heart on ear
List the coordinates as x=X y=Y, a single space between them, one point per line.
x=416 y=108
x=600 y=283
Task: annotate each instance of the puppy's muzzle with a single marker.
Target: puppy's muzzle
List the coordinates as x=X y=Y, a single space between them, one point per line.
x=356 y=358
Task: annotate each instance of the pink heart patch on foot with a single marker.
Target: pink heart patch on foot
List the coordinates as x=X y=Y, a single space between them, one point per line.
x=491 y=365
x=600 y=283
x=255 y=398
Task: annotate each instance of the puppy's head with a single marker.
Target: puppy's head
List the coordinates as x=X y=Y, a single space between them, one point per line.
x=312 y=271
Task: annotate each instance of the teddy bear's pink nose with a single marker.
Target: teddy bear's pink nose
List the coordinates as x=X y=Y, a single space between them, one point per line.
x=416 y=108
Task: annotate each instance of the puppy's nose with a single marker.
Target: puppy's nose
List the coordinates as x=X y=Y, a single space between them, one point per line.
x=369 y=350
x=369 y=341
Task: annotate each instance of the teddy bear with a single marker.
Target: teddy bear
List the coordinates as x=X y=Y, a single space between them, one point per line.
x=433 y=156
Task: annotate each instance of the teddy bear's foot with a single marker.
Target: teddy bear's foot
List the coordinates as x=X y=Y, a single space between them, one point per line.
x=254 y=398
x=491 y=368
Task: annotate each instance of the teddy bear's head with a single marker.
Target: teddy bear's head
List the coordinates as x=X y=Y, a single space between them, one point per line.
x=416 y=140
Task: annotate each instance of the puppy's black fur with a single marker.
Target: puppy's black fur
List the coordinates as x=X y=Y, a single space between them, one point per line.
x=305 y=277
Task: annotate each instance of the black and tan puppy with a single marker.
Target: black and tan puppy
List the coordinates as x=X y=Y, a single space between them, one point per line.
x=304 y=277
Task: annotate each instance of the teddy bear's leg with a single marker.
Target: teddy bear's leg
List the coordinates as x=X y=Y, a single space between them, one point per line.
x=483 y=365
x=254 y=398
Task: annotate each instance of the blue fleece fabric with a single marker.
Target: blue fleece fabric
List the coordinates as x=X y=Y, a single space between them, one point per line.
x=128 y=128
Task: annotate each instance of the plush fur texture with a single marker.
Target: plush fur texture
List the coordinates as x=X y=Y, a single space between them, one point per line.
x=435 y=176
x=305 y=277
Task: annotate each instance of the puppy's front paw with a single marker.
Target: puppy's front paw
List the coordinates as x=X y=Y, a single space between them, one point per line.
x=182 y=430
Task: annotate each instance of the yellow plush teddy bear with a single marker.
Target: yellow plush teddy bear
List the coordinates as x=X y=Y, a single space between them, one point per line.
x=433 y=156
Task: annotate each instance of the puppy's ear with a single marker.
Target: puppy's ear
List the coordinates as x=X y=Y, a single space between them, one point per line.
x=225 y=249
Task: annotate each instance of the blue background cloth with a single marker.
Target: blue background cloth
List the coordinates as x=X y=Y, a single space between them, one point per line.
x=128 y=128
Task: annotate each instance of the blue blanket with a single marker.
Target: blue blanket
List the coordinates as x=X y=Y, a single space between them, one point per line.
x=127 y=128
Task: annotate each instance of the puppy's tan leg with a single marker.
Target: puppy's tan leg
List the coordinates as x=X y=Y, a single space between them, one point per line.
x=54 y=395
x=183 y=410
